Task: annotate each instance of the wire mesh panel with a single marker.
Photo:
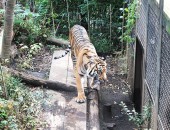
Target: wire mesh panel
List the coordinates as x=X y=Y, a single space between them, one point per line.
x=147 y=97
x=159 y=125
x=164 y=98
x=141 y=23
x=147 y=102
x=152 y=44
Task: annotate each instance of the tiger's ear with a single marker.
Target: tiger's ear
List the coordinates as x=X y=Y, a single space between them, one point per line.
x=103 y=58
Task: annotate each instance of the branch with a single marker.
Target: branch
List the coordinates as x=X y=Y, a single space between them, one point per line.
x=57 y=41
x=32 y=80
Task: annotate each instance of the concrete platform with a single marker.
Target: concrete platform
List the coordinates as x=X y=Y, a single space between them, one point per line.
x=59 y=67
x=61 y=111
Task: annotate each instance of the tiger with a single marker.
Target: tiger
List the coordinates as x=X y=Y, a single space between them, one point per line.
x=86 y=62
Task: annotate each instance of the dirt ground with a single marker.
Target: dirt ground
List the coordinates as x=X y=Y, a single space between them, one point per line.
x=110 y=94
x=39 y=65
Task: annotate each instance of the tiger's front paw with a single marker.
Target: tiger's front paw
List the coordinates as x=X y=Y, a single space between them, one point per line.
x=80 y=98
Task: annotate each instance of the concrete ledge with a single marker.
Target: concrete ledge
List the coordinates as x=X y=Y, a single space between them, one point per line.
x=93 y=122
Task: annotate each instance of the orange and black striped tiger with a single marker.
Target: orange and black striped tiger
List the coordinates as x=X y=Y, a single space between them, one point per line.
x=86 y=62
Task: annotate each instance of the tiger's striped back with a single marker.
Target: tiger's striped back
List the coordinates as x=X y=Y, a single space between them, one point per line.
x=79 y=39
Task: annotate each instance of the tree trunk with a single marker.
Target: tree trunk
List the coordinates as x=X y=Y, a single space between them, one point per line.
x=35 y=81
x=2 y=4
x=32 y=6
x=58 y=41
x=8 y=29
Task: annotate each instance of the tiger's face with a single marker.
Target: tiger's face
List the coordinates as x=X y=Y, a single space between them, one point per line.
x=101 y=68
x=97 y=68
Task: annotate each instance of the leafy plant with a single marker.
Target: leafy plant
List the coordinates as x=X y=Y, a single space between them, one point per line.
x=52 y=48
x=26 y=54
x=138 y=119
x=130 y=16
x=21 y=111
x=29 y=27
x=7 y=120
x=102 y=45
x=35 y=48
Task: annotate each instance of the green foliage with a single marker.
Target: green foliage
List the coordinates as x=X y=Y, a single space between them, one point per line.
x=130 y=16
x=28 y=52
x=50 y=15
x=21 y=111
x=138 y=119
x=7 y=119
x=42 y=6
x=29 y=27
x=3 y=117
x=34 y=49
x=83 y=7
x=52 y=48
x=103 y=20
x=102 y=45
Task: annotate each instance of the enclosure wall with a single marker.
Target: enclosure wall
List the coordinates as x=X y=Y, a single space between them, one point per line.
x=155 y=40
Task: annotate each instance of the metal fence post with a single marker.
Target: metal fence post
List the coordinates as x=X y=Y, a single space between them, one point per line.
x=158 y=64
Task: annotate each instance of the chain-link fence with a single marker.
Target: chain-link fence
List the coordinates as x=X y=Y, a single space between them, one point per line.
x=155 y=40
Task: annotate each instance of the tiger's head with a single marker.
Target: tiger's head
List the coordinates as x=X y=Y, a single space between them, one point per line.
x=101 y=68
x=97 y=67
